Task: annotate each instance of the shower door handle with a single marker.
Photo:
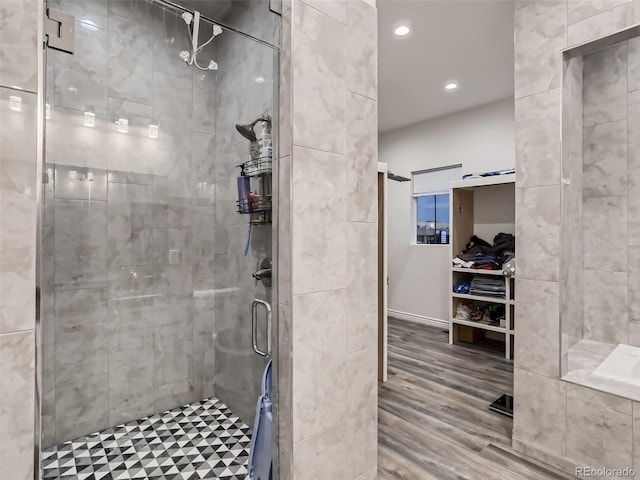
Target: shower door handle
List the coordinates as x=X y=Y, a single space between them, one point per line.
x=254 y=327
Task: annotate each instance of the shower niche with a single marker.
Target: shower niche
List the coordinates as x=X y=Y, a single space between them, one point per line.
x=600 y=220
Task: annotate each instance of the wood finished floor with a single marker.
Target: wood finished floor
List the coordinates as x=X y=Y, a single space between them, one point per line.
x=433 y=416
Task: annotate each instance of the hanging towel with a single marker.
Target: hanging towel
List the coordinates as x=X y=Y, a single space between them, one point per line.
x=260 y=454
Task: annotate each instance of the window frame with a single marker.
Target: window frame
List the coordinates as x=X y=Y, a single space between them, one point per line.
x=414 y=206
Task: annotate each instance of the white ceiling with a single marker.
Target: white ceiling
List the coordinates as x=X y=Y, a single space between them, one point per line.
x=469 y=41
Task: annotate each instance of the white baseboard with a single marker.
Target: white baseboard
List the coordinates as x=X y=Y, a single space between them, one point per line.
x=412 y=317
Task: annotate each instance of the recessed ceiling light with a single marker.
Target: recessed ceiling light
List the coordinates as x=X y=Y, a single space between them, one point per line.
x=260 y=79
x=451 y=86
x=402 y=30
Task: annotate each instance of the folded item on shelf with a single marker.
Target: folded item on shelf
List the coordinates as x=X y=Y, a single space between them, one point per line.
x=488 y=284
x=485 y=293
x=459 y=262
x=462 y=286
x=477 y=260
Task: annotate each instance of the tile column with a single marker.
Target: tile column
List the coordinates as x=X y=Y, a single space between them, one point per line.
x=19 y=58
x=556 y=422
x=328 y=240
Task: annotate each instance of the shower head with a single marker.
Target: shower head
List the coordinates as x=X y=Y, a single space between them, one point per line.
x=247 y=130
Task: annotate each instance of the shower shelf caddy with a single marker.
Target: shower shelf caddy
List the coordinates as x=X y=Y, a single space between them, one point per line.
x=258 y=206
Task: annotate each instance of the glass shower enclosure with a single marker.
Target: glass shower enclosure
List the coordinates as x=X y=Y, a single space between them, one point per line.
x=155 y=289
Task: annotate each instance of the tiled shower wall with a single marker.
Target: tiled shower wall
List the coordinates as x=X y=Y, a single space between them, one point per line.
x=558 y=422
x=328 y=241
x=128 y=224
x=611 y=192
x=571 y=269
x=18 y=223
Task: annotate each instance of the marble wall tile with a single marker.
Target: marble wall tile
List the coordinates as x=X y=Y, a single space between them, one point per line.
x=172 y=266
x=82 y=407
x=597 y=435
x=633 y=80
x=81 y=78
x=203 y=177
x=173 y=354
x=600 y=24
x=538 y=210
x=537 y=347
x=204 y=320
x=130 y=385
x=540 y=411
x=204 y=102
x=88 y=146
x=319 y=98
x=130 y=230
x=605 y=314
x=320 y=363
x=540 y=32
x=581 y=9
x=362 y=286
x=80 y=334
x=172 y=109
x=19 y=44
x=605 y=159
x=133 y=153
x=362 y=410
x=285 y=369
x=170 y=38
x=284 y=230
x=634 y=206
x=336 y=9
x=634 y=333
x=80 y=242
x=319 y=237
x=634 y=285
x=605 y=85
x=601 y=217
x=203 y=244
x=130 y=62
x=538 y=139
x=93 y=12
x=130 y=316
x=322 y=456
x=362 y=48
x=285 y=93
x=17 y=375
x=169 y=395
x=204 y=373
x=172 y=190
x=612 y=402
x=362 y=165
x=285 y=468
x=80 y=183
x=633 y=129
x=17 y=212
x=129 y=8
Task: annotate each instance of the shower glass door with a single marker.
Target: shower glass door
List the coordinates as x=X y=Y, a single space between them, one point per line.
x=147 y=279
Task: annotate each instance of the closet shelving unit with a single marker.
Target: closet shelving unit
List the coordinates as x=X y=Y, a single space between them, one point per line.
x=461 y=229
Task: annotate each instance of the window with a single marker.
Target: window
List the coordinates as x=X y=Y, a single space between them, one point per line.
x=431 y=204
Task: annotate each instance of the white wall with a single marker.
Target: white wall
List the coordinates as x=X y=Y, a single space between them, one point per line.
x=481 y=139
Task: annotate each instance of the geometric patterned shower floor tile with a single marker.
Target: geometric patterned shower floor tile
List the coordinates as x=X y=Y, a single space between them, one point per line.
x=203 y=440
